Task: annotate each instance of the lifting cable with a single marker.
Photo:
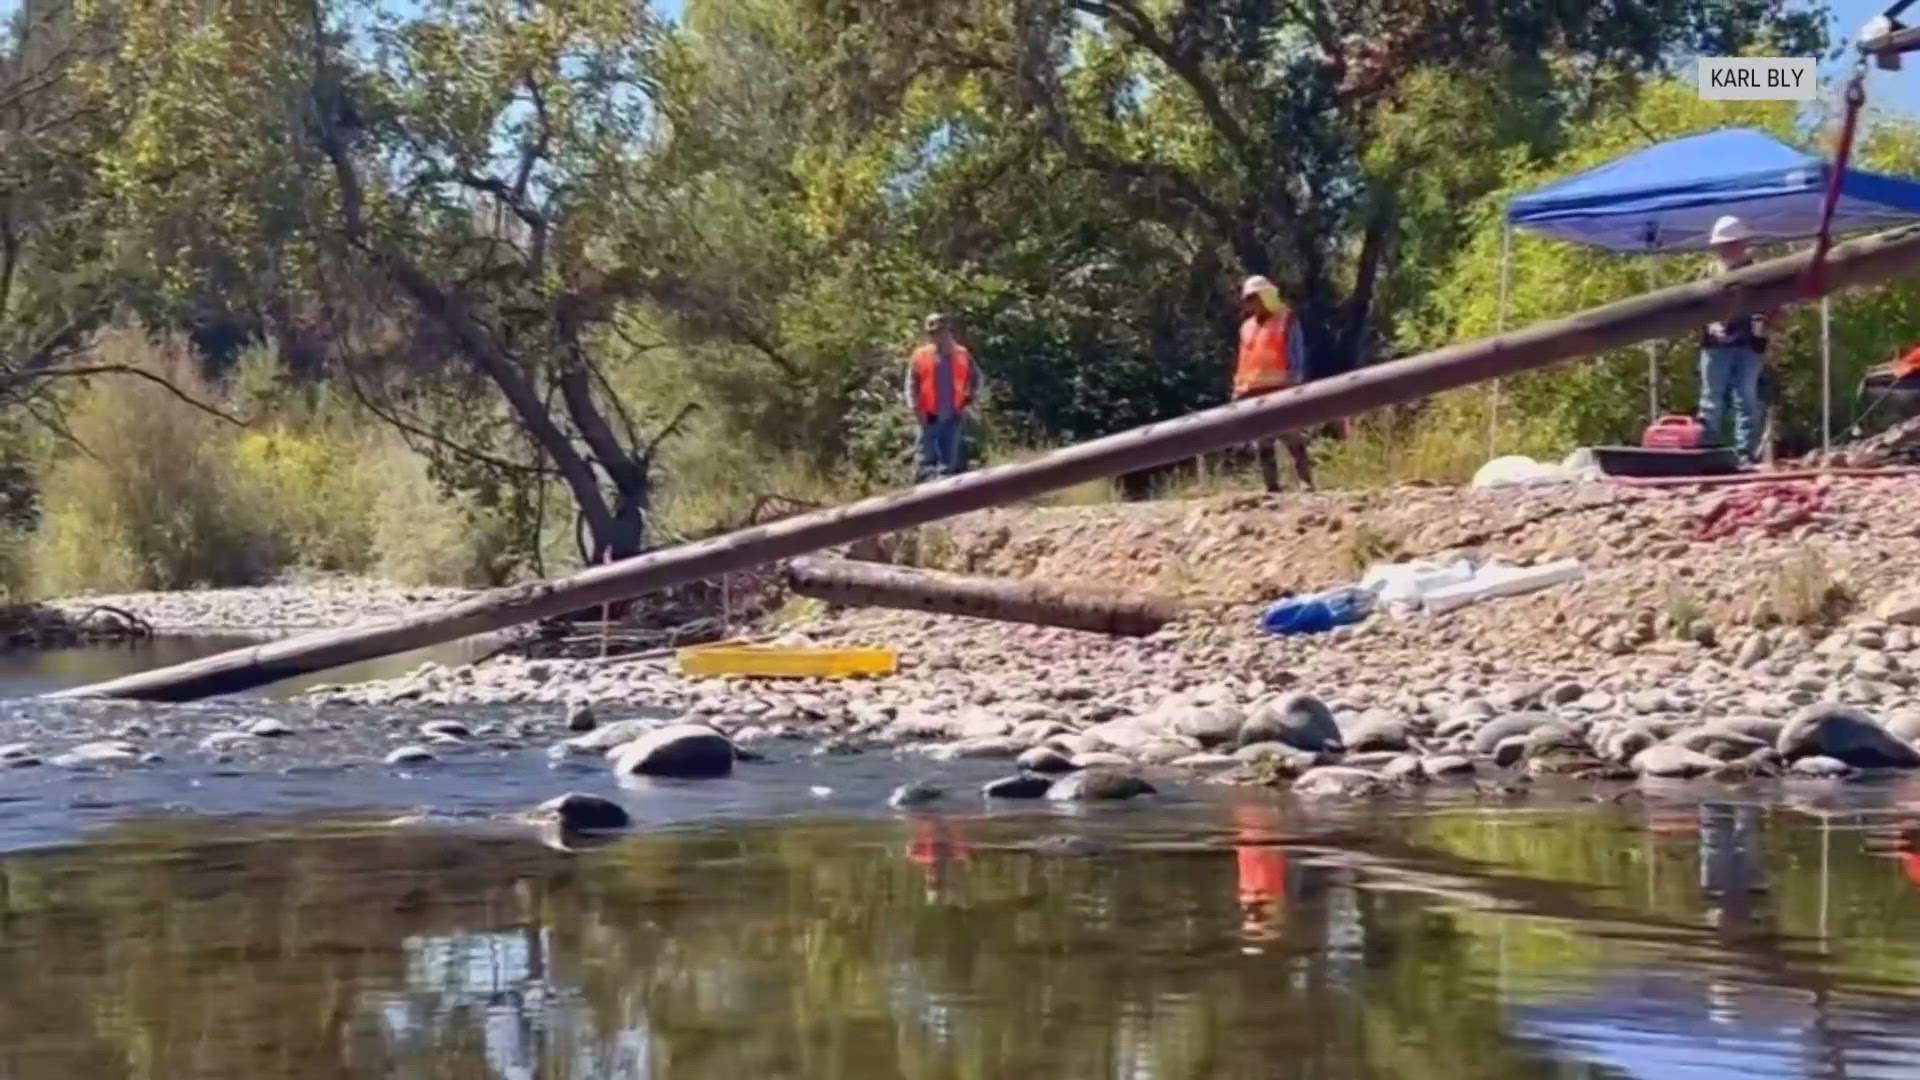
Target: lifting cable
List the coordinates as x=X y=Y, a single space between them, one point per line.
x=1814 y=284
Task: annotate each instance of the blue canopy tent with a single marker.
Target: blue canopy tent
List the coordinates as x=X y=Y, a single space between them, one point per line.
x=1667 y=197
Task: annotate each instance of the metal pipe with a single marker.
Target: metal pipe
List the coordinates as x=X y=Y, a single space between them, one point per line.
x=1775 y=283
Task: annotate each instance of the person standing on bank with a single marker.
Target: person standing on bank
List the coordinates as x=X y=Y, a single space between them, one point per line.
x=1273 y=357
x=1732 y=353
x=942 y=381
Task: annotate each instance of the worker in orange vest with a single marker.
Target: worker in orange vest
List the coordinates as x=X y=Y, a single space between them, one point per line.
x=1272 y=357
x=941 y=382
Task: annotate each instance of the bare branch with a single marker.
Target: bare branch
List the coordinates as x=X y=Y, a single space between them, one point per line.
x=34 y=379
x=670 y=429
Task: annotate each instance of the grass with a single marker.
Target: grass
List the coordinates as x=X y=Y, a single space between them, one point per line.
x=1803 y=590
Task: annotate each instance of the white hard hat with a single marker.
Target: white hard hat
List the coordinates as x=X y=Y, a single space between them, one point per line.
x=1729 y=229
x=1256 y=286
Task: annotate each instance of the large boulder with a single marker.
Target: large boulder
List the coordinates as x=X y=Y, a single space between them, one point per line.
x=1299 y=720
x=678 y=751
x=1846 y=735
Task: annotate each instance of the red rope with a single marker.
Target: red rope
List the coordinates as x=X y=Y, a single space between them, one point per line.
x=1814 y=284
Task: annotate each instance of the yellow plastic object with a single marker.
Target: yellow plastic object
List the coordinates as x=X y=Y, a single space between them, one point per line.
x=773 y=662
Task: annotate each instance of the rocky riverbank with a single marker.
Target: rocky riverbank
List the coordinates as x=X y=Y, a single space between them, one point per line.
x=1732 y=634
x=270 y=610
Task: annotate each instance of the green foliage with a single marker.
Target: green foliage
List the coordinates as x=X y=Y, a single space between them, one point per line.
x=149 y=497
x=156 y=493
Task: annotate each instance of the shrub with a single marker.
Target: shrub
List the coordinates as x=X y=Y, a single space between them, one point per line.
x=147 y=497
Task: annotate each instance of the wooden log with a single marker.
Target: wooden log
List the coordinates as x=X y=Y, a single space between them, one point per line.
x=854 y=583
x=1677 y=309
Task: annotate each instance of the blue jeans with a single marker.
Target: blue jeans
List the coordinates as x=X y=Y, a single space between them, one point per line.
x=941 y=449
x=1731 y=377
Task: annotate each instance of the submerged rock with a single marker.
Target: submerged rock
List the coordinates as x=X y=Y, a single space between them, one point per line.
x=409 y=755
x=916 y=793
x=576 y=812
x=1847 y=735
x=99 y=754
x=269 y=728
x=452 y=730
x=678 y=751
x=1018 y=787
x=1098 y=785
x=606 y=737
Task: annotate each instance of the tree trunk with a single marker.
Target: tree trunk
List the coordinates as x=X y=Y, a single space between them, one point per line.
x=857 y=583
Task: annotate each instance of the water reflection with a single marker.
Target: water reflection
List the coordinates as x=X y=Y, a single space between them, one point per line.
x=1224 y=940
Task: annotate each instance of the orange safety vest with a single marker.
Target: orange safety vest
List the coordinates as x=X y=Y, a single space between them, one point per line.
x=1263 y=355
x=926 y=364
x=1907 y=366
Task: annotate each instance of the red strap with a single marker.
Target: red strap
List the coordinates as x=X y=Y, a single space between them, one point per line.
x=1814 y=284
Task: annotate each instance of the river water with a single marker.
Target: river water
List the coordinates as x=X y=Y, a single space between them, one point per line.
x=260 y=919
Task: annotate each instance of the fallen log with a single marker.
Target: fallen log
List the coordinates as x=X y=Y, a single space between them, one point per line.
x=855 y=583
x=1677 y=309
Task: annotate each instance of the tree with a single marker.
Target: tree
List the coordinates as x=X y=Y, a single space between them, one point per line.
x=1251 y=125
x=456 y=156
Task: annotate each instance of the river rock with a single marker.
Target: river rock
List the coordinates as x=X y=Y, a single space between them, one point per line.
x=1379 y=734
x=1098 y=785
x=575 y=812
x=1767 y=731
x=409 y=755
x=681 y=751
x=221 y=742
x=987 y=748
x=580 y=717
x=1493 y=732
x=1213 y=725
x=16 y=750
x=1101 y=759
x=1903 y=724
x=1026 y=786
x=1045 y=759
x=1673 y=762
x=1822 y=768
x=1447 y=765
x=914 y=793
x=1404 y=769
x=445 y=731
x=1299 y=720
x=1338 y=781
x=1848 y=735
x=1717 y=741
x=99 y=754
x=268 y=728
x=1900 y=609
x=607 y=737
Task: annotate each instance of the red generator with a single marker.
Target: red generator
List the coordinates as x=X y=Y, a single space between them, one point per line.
x=1675 y=433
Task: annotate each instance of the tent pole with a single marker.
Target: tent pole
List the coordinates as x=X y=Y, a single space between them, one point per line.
x=1653 y=357
x=1826 y=379
x=1500 y=327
